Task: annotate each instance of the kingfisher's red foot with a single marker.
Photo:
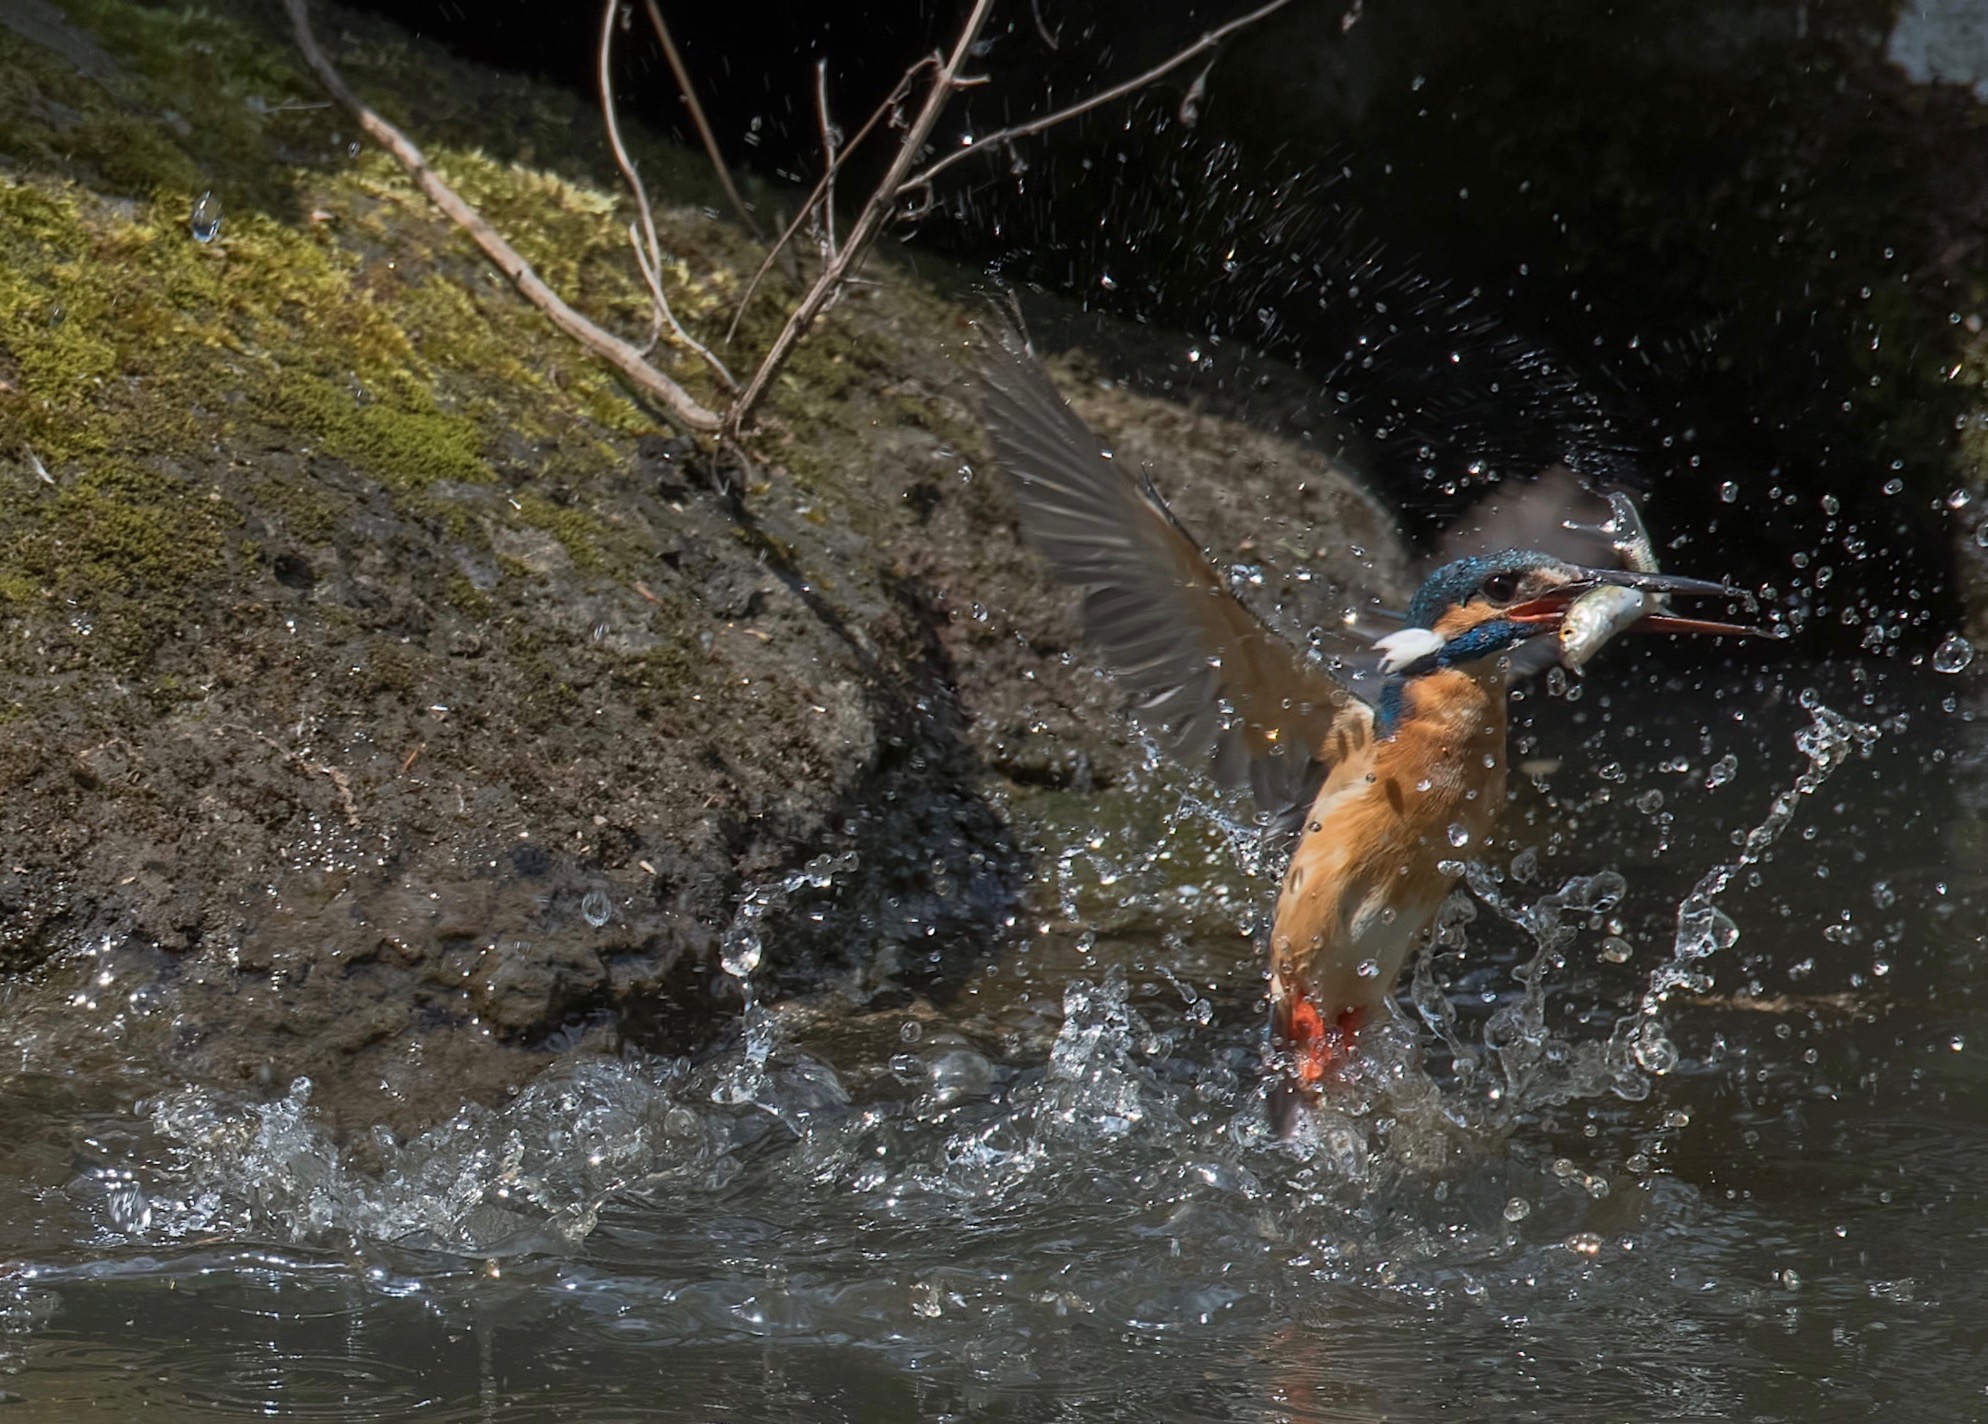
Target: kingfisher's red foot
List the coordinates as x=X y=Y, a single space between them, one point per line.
x=1318 y=1050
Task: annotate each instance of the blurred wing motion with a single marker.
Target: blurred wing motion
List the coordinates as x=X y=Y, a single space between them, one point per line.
x=1202 y=669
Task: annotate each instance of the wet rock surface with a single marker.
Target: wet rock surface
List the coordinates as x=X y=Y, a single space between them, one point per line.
x=388 y=702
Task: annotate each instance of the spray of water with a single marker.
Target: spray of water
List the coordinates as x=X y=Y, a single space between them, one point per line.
x=740 y=952
x=1703 y=928
x=1520 y=1064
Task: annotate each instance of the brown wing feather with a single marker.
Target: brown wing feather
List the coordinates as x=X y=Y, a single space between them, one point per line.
x=1202 y=669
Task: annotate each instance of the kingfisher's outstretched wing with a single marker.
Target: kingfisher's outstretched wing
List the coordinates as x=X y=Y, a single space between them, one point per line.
x=1203 y=671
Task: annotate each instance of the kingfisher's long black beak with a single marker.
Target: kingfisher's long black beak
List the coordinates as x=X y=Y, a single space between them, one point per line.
x=1671 y=584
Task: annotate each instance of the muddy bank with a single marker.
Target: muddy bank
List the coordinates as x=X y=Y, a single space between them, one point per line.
x=386 y=698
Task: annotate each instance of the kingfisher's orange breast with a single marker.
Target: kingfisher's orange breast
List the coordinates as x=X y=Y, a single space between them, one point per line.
x=1365 y=880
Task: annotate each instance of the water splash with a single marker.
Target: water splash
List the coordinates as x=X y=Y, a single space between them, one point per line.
x=740 y=953
x=531 y=1176
x=1639 y=1045
x=1092 y=1079
x=1520 y=1064
x=1536 y=1067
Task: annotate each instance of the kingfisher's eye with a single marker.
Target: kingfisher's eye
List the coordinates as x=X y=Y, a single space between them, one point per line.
x=1499 y=588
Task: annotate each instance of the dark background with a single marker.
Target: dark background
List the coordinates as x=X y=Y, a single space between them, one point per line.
x=1715 y=251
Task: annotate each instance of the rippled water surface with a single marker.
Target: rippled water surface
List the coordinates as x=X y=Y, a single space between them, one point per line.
x=1679 y=1122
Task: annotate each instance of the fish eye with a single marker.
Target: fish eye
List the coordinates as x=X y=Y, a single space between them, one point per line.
x=1499 y=588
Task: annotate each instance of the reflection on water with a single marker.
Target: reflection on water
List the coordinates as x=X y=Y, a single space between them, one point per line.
x=1685 y=1125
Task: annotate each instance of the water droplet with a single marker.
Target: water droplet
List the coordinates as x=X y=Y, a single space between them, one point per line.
x=1368 y=969
x=1953 y=654
x=1616 y=950
x=1721 y=771
x=1981 y=534
x=1650 y=802
x=1958 y=1043
x=958 y=1073
x=1584 y=1243
x=911 y=1031
x=1517 y=1209
x=205 y=221
x=1654 y=1053
x=742 y=957
x=1458 y=835
x=130 y=1210
x=1728 y=492
x=595 y=909
x=1958 y=499
x=1894 y=486
x=1791 y=1279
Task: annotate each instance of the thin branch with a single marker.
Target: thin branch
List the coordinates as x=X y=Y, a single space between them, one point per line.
x=1117 y=91
x=890 y=103
x=652 y=277
x=651 y=261
x=868 y=222
x=677 y=403
x=703 y=124
x=1052 y=39
x=828 y=154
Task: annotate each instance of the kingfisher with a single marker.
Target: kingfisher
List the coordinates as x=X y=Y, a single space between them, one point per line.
x=1385 y=788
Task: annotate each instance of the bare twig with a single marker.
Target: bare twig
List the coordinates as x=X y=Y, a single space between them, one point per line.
x=703 y=124
x=651 y=260
x=677 y=403
x=889 y=104
x=868 y=222
x=828 y=155
x=652 y=278
x=1054 y=39
x=1208 y=41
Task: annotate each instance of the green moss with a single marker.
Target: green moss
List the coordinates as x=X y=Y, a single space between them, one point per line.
x=392 y=670
x=307 y=510
x=119 y=535
x=578 y=532
x=403 y=448
x=466 y=598
x=18 y=589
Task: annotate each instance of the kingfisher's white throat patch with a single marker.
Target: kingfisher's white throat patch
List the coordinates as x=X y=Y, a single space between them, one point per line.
x=1407 y=645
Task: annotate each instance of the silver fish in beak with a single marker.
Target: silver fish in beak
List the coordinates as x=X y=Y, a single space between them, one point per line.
x=1599 y=614
x=1594 y=618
